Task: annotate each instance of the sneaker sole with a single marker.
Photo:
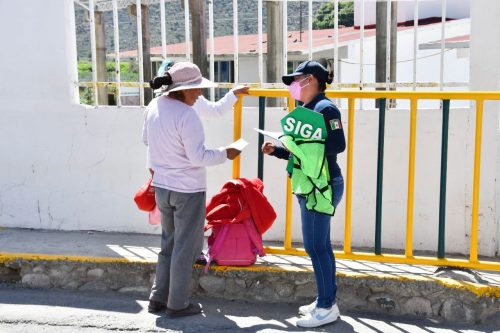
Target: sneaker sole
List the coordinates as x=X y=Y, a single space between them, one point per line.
x=318 y=324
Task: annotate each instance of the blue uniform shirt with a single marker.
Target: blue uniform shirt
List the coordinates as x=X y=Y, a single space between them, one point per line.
x=335 y=141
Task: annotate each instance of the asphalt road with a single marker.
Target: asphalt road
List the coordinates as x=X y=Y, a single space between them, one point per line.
x=50 y=310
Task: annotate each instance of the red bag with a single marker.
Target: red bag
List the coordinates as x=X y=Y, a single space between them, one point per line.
x=145 y=197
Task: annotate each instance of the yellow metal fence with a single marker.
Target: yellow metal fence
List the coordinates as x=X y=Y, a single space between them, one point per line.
x=413 y=97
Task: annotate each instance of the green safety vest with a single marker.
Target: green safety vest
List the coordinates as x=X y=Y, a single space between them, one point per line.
x=307 y=166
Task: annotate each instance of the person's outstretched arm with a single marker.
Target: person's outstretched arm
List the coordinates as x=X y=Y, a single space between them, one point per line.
x=269 y=148
x=208 y=109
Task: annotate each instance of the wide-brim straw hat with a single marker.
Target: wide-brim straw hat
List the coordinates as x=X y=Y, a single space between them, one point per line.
x=186 y=75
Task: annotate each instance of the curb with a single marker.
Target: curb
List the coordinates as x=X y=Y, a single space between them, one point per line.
x=441 y=298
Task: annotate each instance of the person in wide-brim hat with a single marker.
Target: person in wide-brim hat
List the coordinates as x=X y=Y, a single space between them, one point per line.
x=186 y=75
x=177 y=156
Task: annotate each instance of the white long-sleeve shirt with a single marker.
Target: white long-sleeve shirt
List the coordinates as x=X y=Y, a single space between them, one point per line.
x=175 y=138
x=208 y=109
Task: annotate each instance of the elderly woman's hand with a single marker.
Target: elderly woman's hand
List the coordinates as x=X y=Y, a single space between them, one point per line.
x=232 y=153
x=241 y=91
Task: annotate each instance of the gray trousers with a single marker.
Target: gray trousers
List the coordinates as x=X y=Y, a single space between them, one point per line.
x=182 y=220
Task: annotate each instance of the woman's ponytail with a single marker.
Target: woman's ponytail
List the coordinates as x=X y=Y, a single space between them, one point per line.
x=160 y=81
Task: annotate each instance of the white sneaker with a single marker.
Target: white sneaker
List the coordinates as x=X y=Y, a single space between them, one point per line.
x=305 y=309
x=319 y=317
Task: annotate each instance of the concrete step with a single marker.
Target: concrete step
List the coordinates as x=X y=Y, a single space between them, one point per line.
x=126 y=263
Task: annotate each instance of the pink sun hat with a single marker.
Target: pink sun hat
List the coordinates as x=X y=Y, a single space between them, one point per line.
x=186 y=75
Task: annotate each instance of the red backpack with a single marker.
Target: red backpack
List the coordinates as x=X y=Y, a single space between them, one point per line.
x=234 y=244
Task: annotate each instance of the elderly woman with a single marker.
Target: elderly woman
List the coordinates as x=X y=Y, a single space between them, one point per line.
x=178 y=158
x=307 y=84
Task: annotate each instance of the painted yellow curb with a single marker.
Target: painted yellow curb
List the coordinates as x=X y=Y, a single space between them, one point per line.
x=479 y=290
x=6 y=257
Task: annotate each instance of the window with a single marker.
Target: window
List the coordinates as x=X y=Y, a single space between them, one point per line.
x=223 y=72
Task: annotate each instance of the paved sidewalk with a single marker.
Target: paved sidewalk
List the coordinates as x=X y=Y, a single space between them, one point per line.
x=101 y=261
x=142 y=247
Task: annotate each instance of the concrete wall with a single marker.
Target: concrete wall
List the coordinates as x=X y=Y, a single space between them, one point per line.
x=455 y=9
x=68 y=167
x=63 y=166
x=485 y=75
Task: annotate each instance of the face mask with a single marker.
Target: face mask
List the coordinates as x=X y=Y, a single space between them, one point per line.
x=295 y=88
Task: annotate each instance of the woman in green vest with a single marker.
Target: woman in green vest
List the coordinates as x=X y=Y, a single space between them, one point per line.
x=308 y=84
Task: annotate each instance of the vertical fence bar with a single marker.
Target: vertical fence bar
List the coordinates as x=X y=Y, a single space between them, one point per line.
x=444 y=166
x=310 y=28
x=380 y=176
x=443 y=23
x=285 y=37
x=388 y=47
x=411 y=178
x=262 y=120
x=415 y=44
x=238 y=110
x=187 y=35
x=116 y=36
x=93 y=49
x=288 y=216
x=163 y=30
x=288 y=213
x=476 y=182
x=348 y=205
x=259 y=41
x=140 y=51
x=211 y=43
x=236 y=41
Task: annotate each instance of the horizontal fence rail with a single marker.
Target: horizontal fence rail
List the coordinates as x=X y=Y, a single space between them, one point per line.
x=383 y=96
x=226 y=85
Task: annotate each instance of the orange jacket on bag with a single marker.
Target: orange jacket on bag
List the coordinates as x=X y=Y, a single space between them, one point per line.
x=240 y=199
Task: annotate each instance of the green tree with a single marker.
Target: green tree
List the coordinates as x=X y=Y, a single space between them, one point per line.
x=325 y=16
x=129 y=72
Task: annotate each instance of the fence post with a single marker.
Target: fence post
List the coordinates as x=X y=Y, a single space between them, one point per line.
x=380 y=176
x=288 y=218
x=444 y=166
x=477 y=178
x=262 y=121
x=238 y=106
x=348 y=204
x=411 y=178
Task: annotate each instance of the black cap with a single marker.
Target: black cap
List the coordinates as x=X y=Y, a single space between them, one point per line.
x=311 y=67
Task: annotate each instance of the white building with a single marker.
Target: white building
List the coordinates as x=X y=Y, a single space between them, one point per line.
x=455 y=9
x=456 y=57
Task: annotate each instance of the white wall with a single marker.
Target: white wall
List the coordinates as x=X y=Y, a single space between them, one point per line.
x=67 y=167
x=63 y=166
x=455 y=9
x=485 y=75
